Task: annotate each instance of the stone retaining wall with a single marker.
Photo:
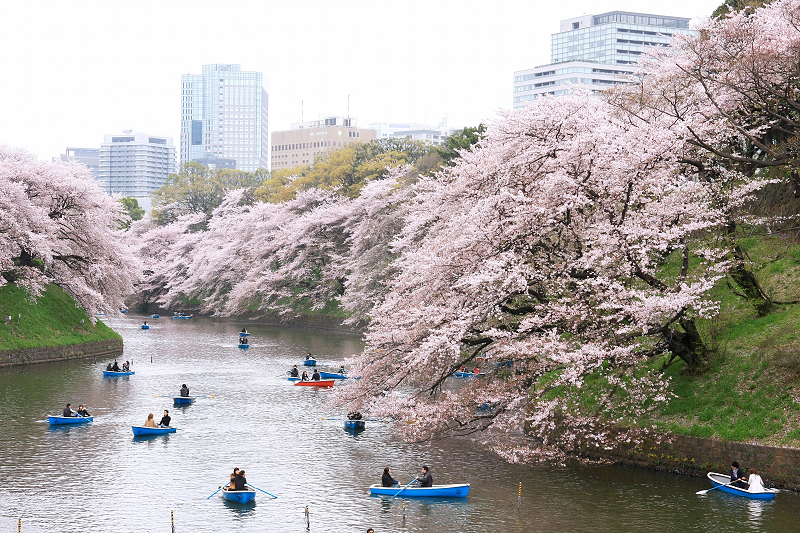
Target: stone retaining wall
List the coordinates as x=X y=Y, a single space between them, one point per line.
x=696 y=456
x=27 y=356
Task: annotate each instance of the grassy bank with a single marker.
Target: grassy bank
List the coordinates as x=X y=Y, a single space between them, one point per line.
x=54 y=320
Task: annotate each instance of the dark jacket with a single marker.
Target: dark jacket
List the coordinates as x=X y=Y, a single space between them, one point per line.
x=239 y=483
x=67 y=412
x=737 y=473
x=83 y=412
x=115 y=368
x=425 y=480
x=184 y=391
x=315 y=376
x=387 y=480
x=294 y=373
x=165 y=420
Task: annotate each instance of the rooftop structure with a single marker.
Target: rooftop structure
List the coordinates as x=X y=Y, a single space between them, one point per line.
x=300 y=144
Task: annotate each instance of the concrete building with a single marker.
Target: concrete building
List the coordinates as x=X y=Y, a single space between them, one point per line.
x=304 y=140
x=597 y=51
x=224 y=115
x=88 y=156
x=431 y=134
x=136 y=164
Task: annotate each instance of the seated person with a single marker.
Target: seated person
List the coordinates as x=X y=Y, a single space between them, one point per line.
x=243 y=340
x=755 y=482
x=308 y=356
x=355 y=415
x=82 y=411
x=126 y=366
x=386 y=479
x=240 y=482
x=464 y=368
x=150 y=422
x=476 y=370
x=115 y=368
x=68 y=411
x=184 y=390
x=244 y=330
x=304 y=377
x=229 y=486
x=426 y=479
x=109 y=368
x=315 y=376
x=165 y=420
x=737 y=476
x=294 y=372
x=341 y=369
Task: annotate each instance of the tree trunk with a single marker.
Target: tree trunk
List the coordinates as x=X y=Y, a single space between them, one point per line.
x=747 y=281
x=688 y=345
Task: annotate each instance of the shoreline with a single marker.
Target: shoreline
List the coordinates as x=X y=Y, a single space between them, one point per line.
x=64 y=352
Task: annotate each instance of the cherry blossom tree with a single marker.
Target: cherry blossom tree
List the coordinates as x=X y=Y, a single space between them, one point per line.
x=57 y=226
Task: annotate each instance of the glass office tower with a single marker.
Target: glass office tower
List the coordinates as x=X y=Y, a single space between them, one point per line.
x=596 y=50
x=224 y=115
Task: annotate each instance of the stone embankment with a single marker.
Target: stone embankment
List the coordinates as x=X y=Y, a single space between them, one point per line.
x=26 y=356
x=778 y=466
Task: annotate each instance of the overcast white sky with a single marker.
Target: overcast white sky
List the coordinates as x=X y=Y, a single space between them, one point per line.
x=75 y=70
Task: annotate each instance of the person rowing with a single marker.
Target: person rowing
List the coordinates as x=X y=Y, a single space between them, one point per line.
x=243 y=340
x=165 y=420
x=308 y=356
x=68 y=412
x=239 y=481
x=294 y=372
x=244 y=330
x=737 y=476
x=184 y=390
x=426 y=479
x=126 y=366
x=115 y=368
x=316 y=375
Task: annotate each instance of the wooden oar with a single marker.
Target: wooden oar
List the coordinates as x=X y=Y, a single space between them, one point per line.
x=717 y=487
x=404 y=488
x=216 y=491
x=262 y=490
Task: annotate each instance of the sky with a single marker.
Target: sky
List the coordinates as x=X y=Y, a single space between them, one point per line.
x=73 y=71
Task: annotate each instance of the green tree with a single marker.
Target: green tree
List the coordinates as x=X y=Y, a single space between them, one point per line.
x=731 y=6
x=199 y=189
x=461 y=140
x=132 y=209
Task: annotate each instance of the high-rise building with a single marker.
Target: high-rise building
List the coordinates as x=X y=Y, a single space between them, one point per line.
x=597 y=51
x=135 y=164
x=88 y=156
x=304 y=140
x=224 y=115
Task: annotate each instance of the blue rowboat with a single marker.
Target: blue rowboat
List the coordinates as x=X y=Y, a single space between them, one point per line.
x=139 y=431
x=720 y=480
x=154 y=316
x=331 y=375
x=123 y=310
x=181 y=315
x=459 y=490
x=110 y=374
x=354 y=425
x=290 y=378
x=183 y=400
x=241 y=334
x=466 y=375
x=239 y=496
x=310 y=362
x=57 y=420
x=504 y=363
x=145 y=326
x=244 y=346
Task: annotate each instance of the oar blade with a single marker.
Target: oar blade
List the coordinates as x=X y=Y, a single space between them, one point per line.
x=702 y=491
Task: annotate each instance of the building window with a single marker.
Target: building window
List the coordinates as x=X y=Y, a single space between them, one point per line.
x=576 y=25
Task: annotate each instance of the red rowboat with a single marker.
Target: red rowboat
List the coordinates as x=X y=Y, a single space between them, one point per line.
x=325 y=383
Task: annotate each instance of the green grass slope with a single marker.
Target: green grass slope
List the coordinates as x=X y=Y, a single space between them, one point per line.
x=54 y=320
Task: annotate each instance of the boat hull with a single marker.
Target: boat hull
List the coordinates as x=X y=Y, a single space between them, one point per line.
x=331 y=375
x=290 y=378
x=181 y=317
x=436 y=491
x=354 y=425
x=239 y=496
x=59 y=420
x=718 y=480
x=244 y=334
x=310 y=362
x=244 y=346
x=323 y=384
x=154 y=316
x=465 y=375
x=110 y=374
x=183 y=400
x=145 y=327
x=139 y=431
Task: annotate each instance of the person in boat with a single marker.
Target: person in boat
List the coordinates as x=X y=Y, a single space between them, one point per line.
x=426 y=479
x=476 y=370
x=145 y=322
x=150 y=422
x=239 y=481
x=184 y=390
x=308 y=356
x=126 y=366
x=243 y=340
x=110 y=368
x=315 y=376
x=235 y=473
x=341 y=369
x=304 y=377
x=355 y=415
x=386 y=479
x=244 y=330
x=755 y=482
x=737 y=476
x=165 y=420
x=464 y=368
x=294 y=372
x=115 y=368
x=68 y=412
x=82 y=411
